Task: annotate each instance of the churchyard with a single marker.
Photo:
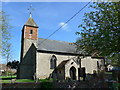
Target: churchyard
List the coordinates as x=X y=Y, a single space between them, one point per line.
x=90 y=82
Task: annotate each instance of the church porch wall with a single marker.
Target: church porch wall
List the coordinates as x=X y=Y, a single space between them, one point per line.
x=67 y=69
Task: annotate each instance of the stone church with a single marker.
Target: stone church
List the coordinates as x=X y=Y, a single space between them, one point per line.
x=44 y=58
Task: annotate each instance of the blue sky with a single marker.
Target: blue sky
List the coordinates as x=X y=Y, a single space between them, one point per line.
x=48 y=16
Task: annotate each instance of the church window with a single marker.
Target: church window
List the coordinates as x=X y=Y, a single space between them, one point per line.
x=53 y=62
x=31 y=31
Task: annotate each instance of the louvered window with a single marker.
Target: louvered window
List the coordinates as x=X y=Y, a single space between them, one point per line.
x=31 y=31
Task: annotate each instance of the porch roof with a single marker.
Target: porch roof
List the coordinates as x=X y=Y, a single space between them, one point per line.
x=62 y=64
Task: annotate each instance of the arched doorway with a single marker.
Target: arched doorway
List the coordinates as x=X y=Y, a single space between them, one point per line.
x=73 y=73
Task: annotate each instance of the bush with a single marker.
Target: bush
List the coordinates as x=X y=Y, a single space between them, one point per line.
x=7 y=73
x=46 y=84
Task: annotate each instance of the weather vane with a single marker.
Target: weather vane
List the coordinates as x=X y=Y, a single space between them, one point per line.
x=30 y=9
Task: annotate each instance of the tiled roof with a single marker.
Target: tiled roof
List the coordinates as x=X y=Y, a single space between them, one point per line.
x=62 y=64
x=56 y=46
x=31 y=22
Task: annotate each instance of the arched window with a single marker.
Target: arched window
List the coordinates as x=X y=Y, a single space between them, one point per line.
x=53 y=61
x=31 y=31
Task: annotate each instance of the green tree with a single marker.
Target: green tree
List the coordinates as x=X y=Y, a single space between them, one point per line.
x=6 y=36
x=100 y=31
x=13 y=64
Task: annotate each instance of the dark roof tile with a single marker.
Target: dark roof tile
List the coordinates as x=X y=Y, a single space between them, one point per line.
x=56 y=46
x=62 y=64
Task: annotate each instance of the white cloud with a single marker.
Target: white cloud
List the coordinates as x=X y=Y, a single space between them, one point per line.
x=64 y=26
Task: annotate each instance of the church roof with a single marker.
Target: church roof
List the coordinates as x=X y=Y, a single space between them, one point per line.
x=56 y=46
x=31 y=22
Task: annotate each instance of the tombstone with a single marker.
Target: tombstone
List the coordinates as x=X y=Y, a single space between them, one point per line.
x=13 y=80
x=84 y=74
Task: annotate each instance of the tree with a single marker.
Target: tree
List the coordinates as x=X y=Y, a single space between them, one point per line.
x=100 y=31
x=9 y=64
x=6 y=36
x=14 y=64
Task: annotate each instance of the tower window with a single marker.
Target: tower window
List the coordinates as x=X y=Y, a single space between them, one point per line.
x=31 y=31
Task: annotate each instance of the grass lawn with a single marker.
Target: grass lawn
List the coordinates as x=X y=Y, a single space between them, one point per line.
x=7 y=79
x=18 y=80
x=45 y=83
x=3 y=77
x=23 y=80
x=45 y=80
x=28 y=83
x=108 y=72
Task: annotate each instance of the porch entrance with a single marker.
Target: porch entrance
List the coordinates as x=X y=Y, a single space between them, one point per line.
x=73 y=73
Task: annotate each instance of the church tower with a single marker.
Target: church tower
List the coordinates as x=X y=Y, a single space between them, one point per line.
x=29 y=36
x=28 y=49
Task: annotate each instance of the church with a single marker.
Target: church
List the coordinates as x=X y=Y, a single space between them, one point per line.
x=44 y=58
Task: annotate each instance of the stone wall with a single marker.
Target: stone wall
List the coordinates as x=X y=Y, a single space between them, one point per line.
x=43 y=63
x=90 y=64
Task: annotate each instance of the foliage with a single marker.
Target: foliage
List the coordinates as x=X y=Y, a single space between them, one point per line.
x=14 y=64
x=100 y=31
x=6 y=36
x=7 y=73
x=46 y=85
x=115 y=86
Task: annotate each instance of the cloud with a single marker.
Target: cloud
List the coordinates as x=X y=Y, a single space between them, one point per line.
x=65 y=27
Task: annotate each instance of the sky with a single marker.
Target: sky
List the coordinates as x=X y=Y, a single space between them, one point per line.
x=49 y=16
